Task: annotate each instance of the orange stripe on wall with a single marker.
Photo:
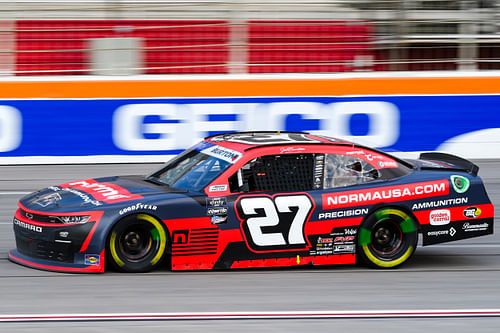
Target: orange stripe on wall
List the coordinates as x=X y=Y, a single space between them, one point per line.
x=248 y=87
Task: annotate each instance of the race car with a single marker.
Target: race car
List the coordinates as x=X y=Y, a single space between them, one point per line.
x=255 y=199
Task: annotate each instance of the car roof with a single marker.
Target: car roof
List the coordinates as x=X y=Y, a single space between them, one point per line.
x=243 y=141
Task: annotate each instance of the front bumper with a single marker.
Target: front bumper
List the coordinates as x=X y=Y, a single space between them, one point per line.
x=47 y=265
x=56 y=246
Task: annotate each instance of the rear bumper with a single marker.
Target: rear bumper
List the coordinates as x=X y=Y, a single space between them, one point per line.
x=97 y=265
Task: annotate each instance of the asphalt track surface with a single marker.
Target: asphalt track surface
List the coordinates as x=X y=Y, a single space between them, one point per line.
x=445 y=278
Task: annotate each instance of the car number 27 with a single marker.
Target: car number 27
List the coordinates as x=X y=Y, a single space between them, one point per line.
x=271 y=224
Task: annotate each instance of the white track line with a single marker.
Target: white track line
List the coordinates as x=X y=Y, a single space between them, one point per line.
x=13 y=193
x=383 y=314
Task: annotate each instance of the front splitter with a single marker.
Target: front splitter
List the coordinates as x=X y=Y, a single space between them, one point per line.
x=46 y=265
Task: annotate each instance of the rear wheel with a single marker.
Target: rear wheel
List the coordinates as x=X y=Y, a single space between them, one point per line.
x=387 y=238
x=137 y=243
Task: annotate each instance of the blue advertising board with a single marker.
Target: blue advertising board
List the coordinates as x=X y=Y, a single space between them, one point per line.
x=166 y=126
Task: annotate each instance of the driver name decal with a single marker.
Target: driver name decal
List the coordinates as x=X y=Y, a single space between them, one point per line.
x=223 y=153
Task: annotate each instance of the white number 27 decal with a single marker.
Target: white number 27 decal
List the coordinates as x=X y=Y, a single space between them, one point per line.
x=269 y=223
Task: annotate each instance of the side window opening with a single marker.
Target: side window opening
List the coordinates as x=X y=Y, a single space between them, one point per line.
x=342 y=170
x=275 y=173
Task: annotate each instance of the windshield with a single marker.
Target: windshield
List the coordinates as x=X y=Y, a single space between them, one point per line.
x=191 y=170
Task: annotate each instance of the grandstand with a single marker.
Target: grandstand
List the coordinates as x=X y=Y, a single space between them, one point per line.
x=246 y=36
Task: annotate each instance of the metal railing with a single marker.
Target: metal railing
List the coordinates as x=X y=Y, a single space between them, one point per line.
x=247 y=36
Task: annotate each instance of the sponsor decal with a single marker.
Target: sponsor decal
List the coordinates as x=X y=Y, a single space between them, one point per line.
x=472 y=212
x=346 y=248
x=439 y=203
x=344 y=239
x=223 y=153
x=344 y=232
x=467 y=227
x=92 y=259
x=350 y=231
x=291 y=150
x=437 y=232
x=83 y=196
x=343 y=213
x=372 y=157
x=452 y=231
x=48 y=199
x=440 y=217
x=368 y=155
x=218 y=219
x=217 y=202
x=218 y=188
x=137 y=206
x=217 y=210
x=325 y=240
x=180 y=236
x=324 y=246
x=109 y=193
x=387 y=164
x=327 y=245
x=319 y=167
x=27 y=226
x=323 y=252
x=386 y=193
x=460 y=183
x=213 y=211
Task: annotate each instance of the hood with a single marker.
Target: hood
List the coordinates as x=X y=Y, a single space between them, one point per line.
x=93 y=194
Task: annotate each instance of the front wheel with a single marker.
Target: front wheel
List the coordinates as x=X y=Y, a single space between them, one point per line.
x=387 y=238
x=137 y=244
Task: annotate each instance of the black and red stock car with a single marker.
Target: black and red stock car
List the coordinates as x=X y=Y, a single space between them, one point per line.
x=255 y=199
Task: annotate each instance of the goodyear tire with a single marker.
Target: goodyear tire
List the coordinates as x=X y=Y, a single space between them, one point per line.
x=137 y=244
x=387 y=238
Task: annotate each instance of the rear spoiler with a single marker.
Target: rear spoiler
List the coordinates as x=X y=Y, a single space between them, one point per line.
x=454 y=161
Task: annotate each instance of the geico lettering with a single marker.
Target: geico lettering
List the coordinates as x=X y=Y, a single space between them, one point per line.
x=167 y=126
x=27 y=226
x=381 y=116
x=130 y=127
x=10 y=128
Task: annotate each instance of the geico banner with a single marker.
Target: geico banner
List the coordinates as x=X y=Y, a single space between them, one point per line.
x=468 y=125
